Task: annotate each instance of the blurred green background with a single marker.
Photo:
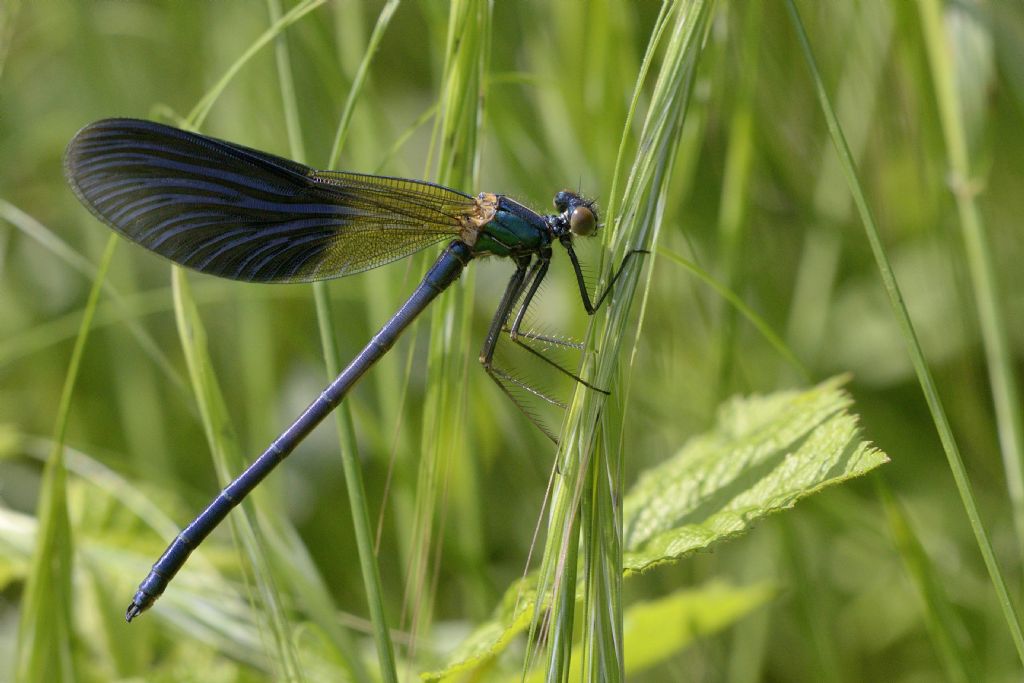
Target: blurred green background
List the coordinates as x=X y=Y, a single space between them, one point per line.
x=758 y=200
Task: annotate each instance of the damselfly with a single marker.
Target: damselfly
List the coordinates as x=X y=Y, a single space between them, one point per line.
x=238 y=213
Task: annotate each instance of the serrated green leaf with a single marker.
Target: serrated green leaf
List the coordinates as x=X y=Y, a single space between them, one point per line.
x=763 y=454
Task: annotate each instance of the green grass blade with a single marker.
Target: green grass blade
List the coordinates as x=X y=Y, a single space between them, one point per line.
x=736 y=179
x=227 y=460
x=63 y=251
x=329 y=344
x=951 y=93
x=759 y=323
x=216 y=422
x=199 y=112
x=949 y=634
x=134 y=306
x=8 y=20
x=230 y=628
x=443 y=448
x=921 y=368
x=825 y=662
x=635 y=225
x=44 y=651
x=359 y=80
x=819 y=263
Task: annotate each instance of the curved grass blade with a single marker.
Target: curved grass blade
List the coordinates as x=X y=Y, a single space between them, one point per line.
x=444 y=455
x=203 y=106
x=741 y=308
x=35 y=230
x=343 y=416
x=914 y=350
x=323 y=611
x=45 y=631
x=954 y=100
x=592 y=423
x=226 y=455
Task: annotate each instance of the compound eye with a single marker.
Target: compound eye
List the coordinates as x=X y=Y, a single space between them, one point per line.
x=582 y=221
x=562 y=200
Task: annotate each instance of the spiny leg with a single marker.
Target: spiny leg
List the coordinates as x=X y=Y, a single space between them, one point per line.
x=504 y=380
x=531 y=276
x=538 y=273
x=525 y=273
x=515 y=331
x=554 y=341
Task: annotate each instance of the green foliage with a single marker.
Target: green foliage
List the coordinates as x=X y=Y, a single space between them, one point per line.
x=706 y=139
x=763 y=454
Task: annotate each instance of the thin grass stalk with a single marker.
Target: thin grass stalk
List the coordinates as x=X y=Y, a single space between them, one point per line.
x=603 y=639
x=8 y=20
x=342 y=415
x=562 y=535
x=199 y=112
x=359 y=80
x=673 y=86
x=818 y=267
x=741 y=309
x=813 y=611
x=862 y=79
x=135 y=306
x=132 y=386
x=749 y=643
x=987 y=297
x=227 y=459
x=948 y=633
x=738 y=169
x=210 y=401
x=634 y=226
x=924 y=376
x=558 y=629
x=45 y=630
x=46 y=238
x=456 y=142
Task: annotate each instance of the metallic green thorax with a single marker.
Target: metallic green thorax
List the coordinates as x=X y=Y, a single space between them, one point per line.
x=514 y=230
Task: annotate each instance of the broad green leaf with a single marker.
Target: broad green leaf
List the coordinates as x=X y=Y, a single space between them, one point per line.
x=657 y=629
x=763 y=454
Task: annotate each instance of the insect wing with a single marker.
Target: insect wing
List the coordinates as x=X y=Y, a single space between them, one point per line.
x=235 y=212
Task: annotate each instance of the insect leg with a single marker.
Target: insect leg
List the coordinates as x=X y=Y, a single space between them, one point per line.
x=592 y=307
